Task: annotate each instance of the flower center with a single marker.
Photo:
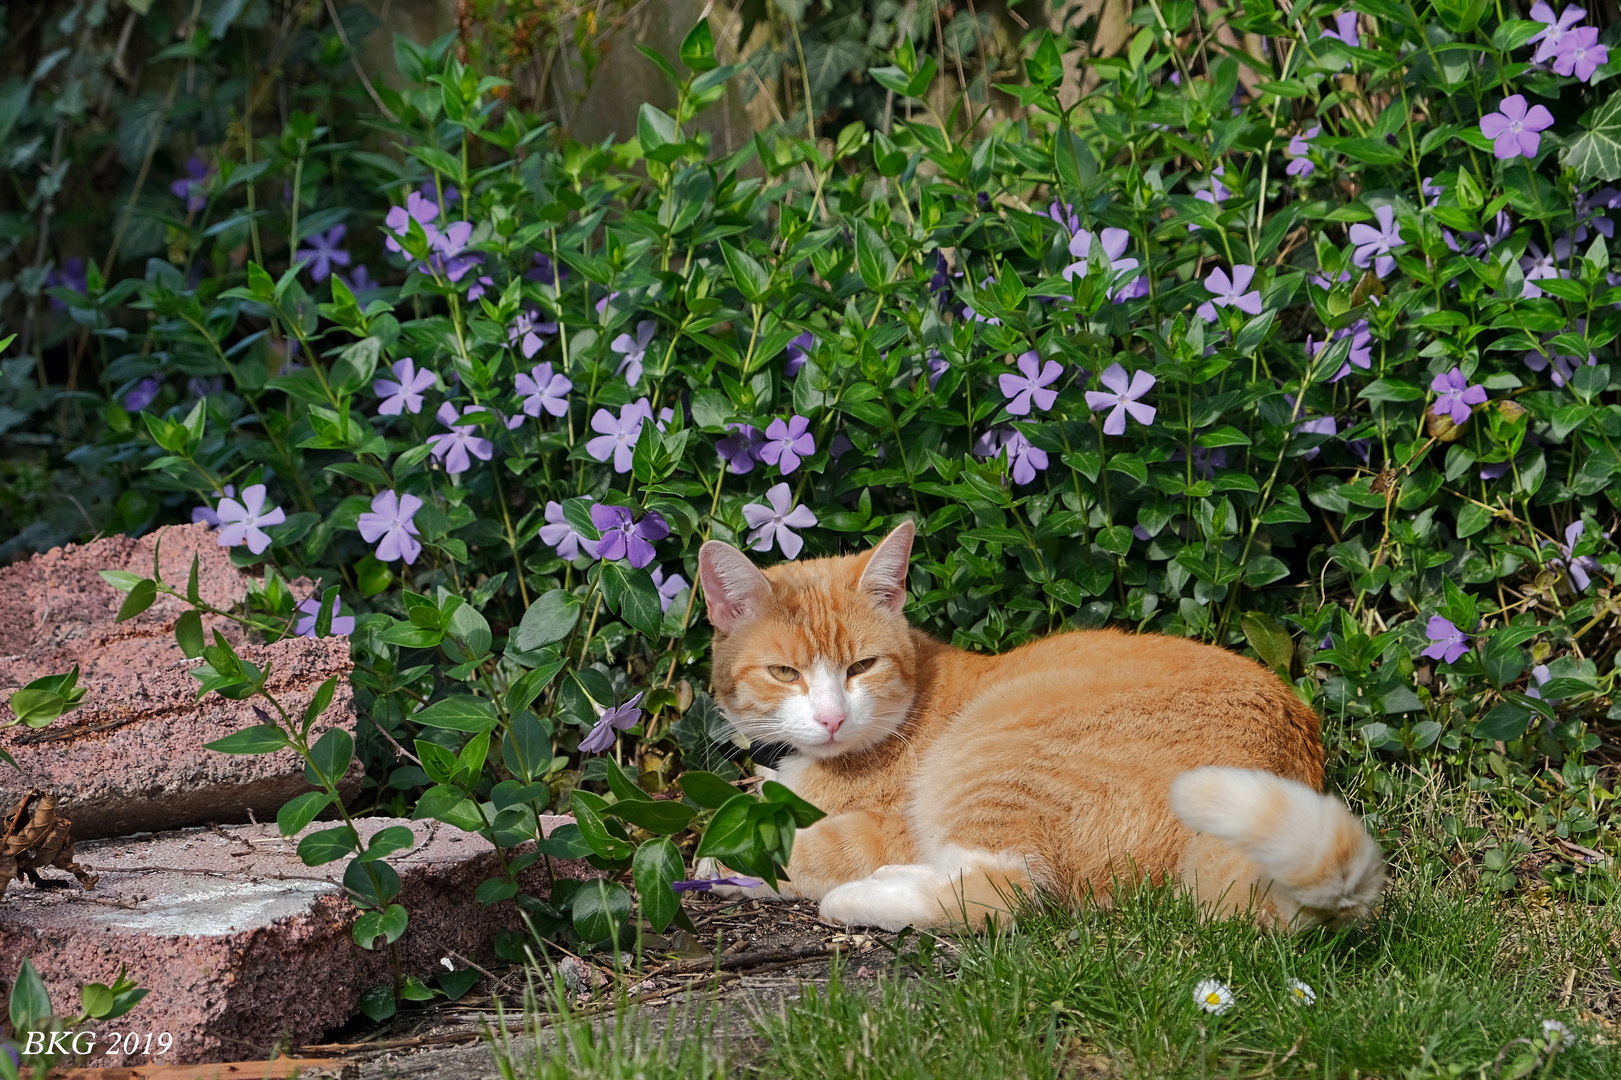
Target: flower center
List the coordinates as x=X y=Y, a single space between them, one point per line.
x=1213 y=998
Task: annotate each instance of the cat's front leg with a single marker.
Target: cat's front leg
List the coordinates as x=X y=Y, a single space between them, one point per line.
x=837 y=849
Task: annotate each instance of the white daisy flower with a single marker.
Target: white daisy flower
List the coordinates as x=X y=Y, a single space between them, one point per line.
x=1301 y=994
x=1557 y=1035
x=1213 y=996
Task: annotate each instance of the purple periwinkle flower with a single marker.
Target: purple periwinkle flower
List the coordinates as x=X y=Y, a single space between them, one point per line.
x=547 y=271
x=1344 y=30
x=243 y=522
x=1122 y=397
x=1361 y=354
x=142 y=393
x=775 y=522
x=543 y=390
x=668 y=587
x=1230 y=290
x=787 y=443
x=388 y=525
x=602 y=305
x=359 y=280
x=1023 y=459
x=1032 y=385
x=1539 y=675
x=1582 y=567
x=1554 y=29
x=1448 y=642
x=193 y=187
x=528 y=331
x=398 y=221
x=1564 y=367
x=937 y=365
x=562 y=537
x=634 y=350
x=405 y=390
x=323 y=252
x=1513 y=128
x=1580 y=54
x=454 y=447
x=741 y=449
x=798 y=351
x=619 y=718
x=1112 y=244
x=1454 y=395
x=70 y=275
x=1537 y=267
x=1375 y=245
x=1323 y=425
x=624 y=538
x=617 y=438
x=429 y=191
x=342 y=625
x=207 y=514
x=1065 y=215
x=1299 y=164
x=705 y=884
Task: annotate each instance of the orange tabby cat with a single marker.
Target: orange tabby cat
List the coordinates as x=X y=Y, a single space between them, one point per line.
x=953 y=780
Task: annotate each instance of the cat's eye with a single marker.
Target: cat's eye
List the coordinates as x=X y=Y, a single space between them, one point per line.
x=861 y=665
x=783 y=673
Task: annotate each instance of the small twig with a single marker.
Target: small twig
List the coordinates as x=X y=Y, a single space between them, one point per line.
x=354 y=59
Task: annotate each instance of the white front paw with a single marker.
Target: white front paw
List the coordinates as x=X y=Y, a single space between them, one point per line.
x=893 y=897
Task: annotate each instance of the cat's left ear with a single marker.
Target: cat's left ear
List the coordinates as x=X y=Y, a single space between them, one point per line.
x=884 y=579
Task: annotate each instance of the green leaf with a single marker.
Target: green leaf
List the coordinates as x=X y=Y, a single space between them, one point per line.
x=1270 y=640
x=706 y=789
x=331 y=754
x=1595 y=154
x=122 y=580
x=698 y=47
x=730 y=831
x=319 y=701
x=1506 y=721
x=665 y=817
x=596 y=834
x=546 y=621
x=96 y=999
x=805 y=815
x=461 y=713
x=299 y=812
x=30 y=1004
x=623 y=787
x=631 y=594
x=37 y=708
x=378 y=1003
x=139 y=599
x=328 y=845
x=188 y=631
x=1073 y=158
x=873 y=257
x=387 y=841
x=260 y=739
x=656 y=866
x=600 y=909
x=455 y=984
x=751 y=279
x=355 y=365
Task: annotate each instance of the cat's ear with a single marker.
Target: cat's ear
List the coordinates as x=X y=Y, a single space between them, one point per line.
x=884 y=579
x=734 y=588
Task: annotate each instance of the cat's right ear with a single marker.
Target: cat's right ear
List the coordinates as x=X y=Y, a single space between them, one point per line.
x=734 y=588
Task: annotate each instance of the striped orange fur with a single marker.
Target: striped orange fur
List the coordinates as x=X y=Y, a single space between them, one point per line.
x=954 y=781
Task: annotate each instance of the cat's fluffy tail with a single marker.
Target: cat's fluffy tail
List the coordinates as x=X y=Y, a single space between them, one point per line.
x=1309 y=844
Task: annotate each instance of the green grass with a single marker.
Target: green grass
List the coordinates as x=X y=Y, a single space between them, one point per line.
x=1441 y=984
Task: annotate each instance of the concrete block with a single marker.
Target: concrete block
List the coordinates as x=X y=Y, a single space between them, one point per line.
x=242 y=944
x=131 y=758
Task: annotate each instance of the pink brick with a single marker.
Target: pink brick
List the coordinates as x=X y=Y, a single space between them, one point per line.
x=239 y=941
x=131 y=757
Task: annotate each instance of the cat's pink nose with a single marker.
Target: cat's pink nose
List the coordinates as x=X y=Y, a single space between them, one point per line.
x=831 y=721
